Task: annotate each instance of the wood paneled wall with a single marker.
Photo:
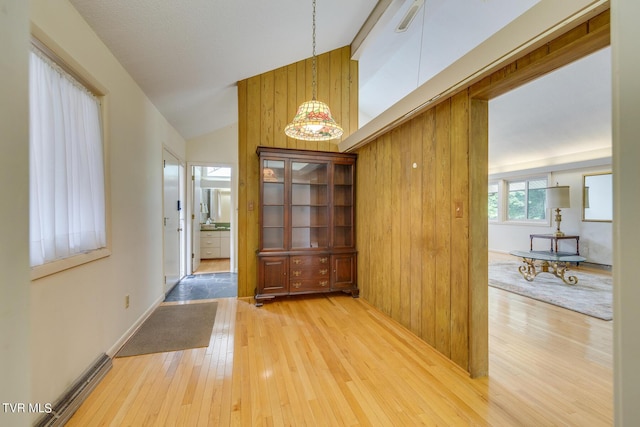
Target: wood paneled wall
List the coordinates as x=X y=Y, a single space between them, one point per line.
x=422 y=231
x=413 y=206
x=266 y=104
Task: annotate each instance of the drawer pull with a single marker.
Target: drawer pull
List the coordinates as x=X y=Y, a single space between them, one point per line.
x=324 y=260
x=324 y=283
x=296 y=261
x=297 y=273
x=323 y=271
x=296 y=285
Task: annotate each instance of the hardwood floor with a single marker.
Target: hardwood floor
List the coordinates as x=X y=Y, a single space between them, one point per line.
x=213 y=266
x=334 y=360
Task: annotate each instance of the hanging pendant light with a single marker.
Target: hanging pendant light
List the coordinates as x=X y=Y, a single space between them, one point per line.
x=313 y=121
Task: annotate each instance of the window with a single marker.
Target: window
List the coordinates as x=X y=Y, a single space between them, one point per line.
x=493 y=201
x=67 y=182
x=217 y=172
x=526 y=200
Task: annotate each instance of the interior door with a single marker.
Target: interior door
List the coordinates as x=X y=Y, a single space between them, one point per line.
x=172 y=207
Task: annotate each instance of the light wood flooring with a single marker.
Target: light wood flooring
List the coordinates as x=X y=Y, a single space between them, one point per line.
x=337 y=361
x=213 y=266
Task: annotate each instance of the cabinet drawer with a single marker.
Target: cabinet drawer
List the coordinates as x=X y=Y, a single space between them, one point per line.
x=306 y=285
x=215 y=233
x=209 y=252
x=310 y=272
x=304 y=261
x=210 y=243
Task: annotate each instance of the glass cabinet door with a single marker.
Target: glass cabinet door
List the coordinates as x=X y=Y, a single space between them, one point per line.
x=309 y=205
x=343 y=205
x=273 y=192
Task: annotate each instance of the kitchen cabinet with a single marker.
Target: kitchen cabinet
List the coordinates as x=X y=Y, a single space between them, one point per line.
x=214 y=244
x=306 y=221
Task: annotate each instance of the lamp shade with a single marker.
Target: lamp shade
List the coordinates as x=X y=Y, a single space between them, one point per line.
x=558 y=197
x=313 y=122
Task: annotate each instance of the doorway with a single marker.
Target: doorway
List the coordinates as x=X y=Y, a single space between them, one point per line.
x=213 y=218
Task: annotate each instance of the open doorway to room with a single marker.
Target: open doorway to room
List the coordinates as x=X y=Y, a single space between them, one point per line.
x=546 y=131
x=212 y=234
x=212 y=205
x=553 y=131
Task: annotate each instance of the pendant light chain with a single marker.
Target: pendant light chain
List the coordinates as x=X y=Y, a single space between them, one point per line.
x=313 y=64
x=313 y=121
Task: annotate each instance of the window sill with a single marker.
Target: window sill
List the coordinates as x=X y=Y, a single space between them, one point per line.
x=54 y=267
x=522 y=223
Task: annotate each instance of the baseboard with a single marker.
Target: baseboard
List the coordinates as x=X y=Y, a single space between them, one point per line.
x=123 y=339
x=72 y=398
x=595 y=266
x=497 y=251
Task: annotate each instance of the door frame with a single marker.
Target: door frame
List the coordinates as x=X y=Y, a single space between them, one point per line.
x=192 y=211
x=181 y=219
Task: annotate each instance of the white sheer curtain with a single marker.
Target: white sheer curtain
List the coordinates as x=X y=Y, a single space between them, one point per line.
x=67 y=202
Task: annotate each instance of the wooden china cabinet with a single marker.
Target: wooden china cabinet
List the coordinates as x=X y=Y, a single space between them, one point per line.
x=307 y=233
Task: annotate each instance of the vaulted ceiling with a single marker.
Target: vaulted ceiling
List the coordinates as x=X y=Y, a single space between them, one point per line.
x=188 y=55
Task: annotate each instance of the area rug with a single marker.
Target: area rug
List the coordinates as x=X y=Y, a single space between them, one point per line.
x=172 y=328
x=592 y=295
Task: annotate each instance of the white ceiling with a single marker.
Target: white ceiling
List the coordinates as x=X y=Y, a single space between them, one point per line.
x=187 y=56
x=563 y=115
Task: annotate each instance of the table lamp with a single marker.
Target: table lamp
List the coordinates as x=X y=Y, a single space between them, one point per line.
x=558 y=197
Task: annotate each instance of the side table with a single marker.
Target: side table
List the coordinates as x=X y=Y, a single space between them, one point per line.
x=554 y=241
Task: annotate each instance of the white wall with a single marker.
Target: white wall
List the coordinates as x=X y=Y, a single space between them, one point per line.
x=625 y=32
x=15 y=351
x=220 y=148
x=596 y=238
x=79 y=313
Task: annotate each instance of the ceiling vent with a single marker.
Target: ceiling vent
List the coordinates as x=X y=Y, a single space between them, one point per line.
x=408 y=17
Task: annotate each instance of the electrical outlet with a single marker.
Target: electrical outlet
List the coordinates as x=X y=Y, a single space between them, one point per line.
x=126 y=301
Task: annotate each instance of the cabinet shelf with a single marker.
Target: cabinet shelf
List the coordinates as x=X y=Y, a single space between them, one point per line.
x=309 y=184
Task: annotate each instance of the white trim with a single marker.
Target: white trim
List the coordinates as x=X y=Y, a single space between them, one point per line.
x=234 y=211
x=53 y=267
